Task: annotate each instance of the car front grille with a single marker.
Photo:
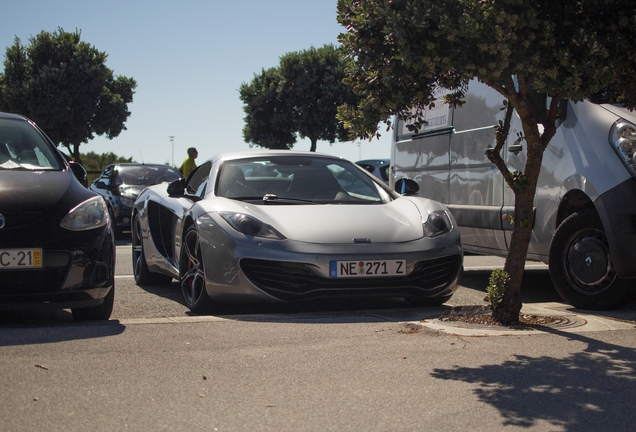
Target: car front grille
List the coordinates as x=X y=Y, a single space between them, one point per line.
x=32 y=281
x=291 y=281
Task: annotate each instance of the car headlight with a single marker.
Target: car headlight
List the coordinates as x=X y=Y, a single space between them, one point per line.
x=438 y=223
x=623 y=139
x=127 y=201
x=250 y=226
x=90 y=214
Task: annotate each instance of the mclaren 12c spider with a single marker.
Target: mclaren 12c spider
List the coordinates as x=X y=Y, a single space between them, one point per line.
x=284 y=226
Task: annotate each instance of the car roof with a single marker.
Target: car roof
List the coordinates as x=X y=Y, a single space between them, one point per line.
x=267 y=153
x=135 y=164
x=370 y=161
x=13 y=116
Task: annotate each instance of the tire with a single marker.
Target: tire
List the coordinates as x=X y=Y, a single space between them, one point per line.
x=101 y=312
x=192 y=274
x=143 y=276
x=581 y=266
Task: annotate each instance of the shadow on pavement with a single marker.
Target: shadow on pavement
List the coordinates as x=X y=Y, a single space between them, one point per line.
x=29 y=331
x=592 y=389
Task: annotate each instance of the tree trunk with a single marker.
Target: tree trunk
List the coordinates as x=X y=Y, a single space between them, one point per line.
x=508 y=310
x=314 y=141
x=76 y=154
x=524 y=187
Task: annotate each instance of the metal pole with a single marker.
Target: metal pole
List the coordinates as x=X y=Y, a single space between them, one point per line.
x=172 y=141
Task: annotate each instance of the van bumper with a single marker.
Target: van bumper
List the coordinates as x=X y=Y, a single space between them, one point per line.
x=617 y=209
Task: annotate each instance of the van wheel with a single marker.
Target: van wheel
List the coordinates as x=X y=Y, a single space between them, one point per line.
x=581 y=265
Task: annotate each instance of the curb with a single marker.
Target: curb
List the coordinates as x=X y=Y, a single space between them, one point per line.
x=572 y=322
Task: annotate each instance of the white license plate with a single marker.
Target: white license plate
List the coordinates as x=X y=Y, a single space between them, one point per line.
x=344 y=269
x=20 y=258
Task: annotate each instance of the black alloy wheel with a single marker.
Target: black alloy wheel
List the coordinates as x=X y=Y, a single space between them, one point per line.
x=193 y=273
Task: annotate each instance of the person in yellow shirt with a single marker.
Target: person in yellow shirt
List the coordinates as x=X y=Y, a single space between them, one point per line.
x=189 y=164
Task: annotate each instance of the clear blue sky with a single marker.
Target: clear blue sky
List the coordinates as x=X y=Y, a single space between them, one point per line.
x=189 y=58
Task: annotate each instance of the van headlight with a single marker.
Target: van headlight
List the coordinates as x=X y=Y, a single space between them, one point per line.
x=623 y=139
x=90 y=214
x=438 y=223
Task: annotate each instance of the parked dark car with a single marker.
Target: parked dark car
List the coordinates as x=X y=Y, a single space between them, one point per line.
x=377 y=167
x=56 y=243
x=120 y=184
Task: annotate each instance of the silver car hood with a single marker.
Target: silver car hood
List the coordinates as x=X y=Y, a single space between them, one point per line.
x=397 y=221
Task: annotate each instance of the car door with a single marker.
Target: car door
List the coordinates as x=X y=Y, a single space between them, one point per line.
x=173 y=209
x=476 y=186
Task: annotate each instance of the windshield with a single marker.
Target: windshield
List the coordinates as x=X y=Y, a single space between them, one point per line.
x=145 y=175
x=299 y=179
x=23 y=147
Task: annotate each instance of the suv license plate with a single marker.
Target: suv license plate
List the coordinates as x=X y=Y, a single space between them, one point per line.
x=376 y=268
x=20 y=258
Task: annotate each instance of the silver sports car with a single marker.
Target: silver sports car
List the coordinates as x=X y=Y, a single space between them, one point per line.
x=293 y=226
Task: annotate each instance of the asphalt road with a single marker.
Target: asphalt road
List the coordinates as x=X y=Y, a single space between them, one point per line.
x=331 y=366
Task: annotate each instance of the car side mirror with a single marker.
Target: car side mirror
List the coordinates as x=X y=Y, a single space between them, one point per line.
x=177 y=187
x=405 y=186
x=79 y=172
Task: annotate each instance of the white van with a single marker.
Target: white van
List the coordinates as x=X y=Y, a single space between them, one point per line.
x=585 y=204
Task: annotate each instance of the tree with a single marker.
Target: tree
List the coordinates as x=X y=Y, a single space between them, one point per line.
x=95 y=163
x=63 y=85
x=301 y=96
x=402 y=50
x=268 y=119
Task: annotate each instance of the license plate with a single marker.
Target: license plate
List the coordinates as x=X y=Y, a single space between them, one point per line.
x=20 y=258
x=376 y=268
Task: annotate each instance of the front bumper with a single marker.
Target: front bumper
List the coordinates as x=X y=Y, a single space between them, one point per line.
x=294 y=281
x=242 y=268
x=77 y=270
x=617 y=209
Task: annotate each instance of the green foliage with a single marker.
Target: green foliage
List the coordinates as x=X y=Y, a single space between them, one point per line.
x=268 y=119
x=497 y=286
x=402 y=51
x=300 y=96
x=519 y=180
x=95 y=163
x=63 y=85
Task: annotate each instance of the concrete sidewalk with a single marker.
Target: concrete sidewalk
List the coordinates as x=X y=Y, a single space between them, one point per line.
x=574 y=321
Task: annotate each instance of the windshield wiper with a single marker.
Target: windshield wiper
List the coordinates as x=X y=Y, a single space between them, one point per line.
x=275 y=199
